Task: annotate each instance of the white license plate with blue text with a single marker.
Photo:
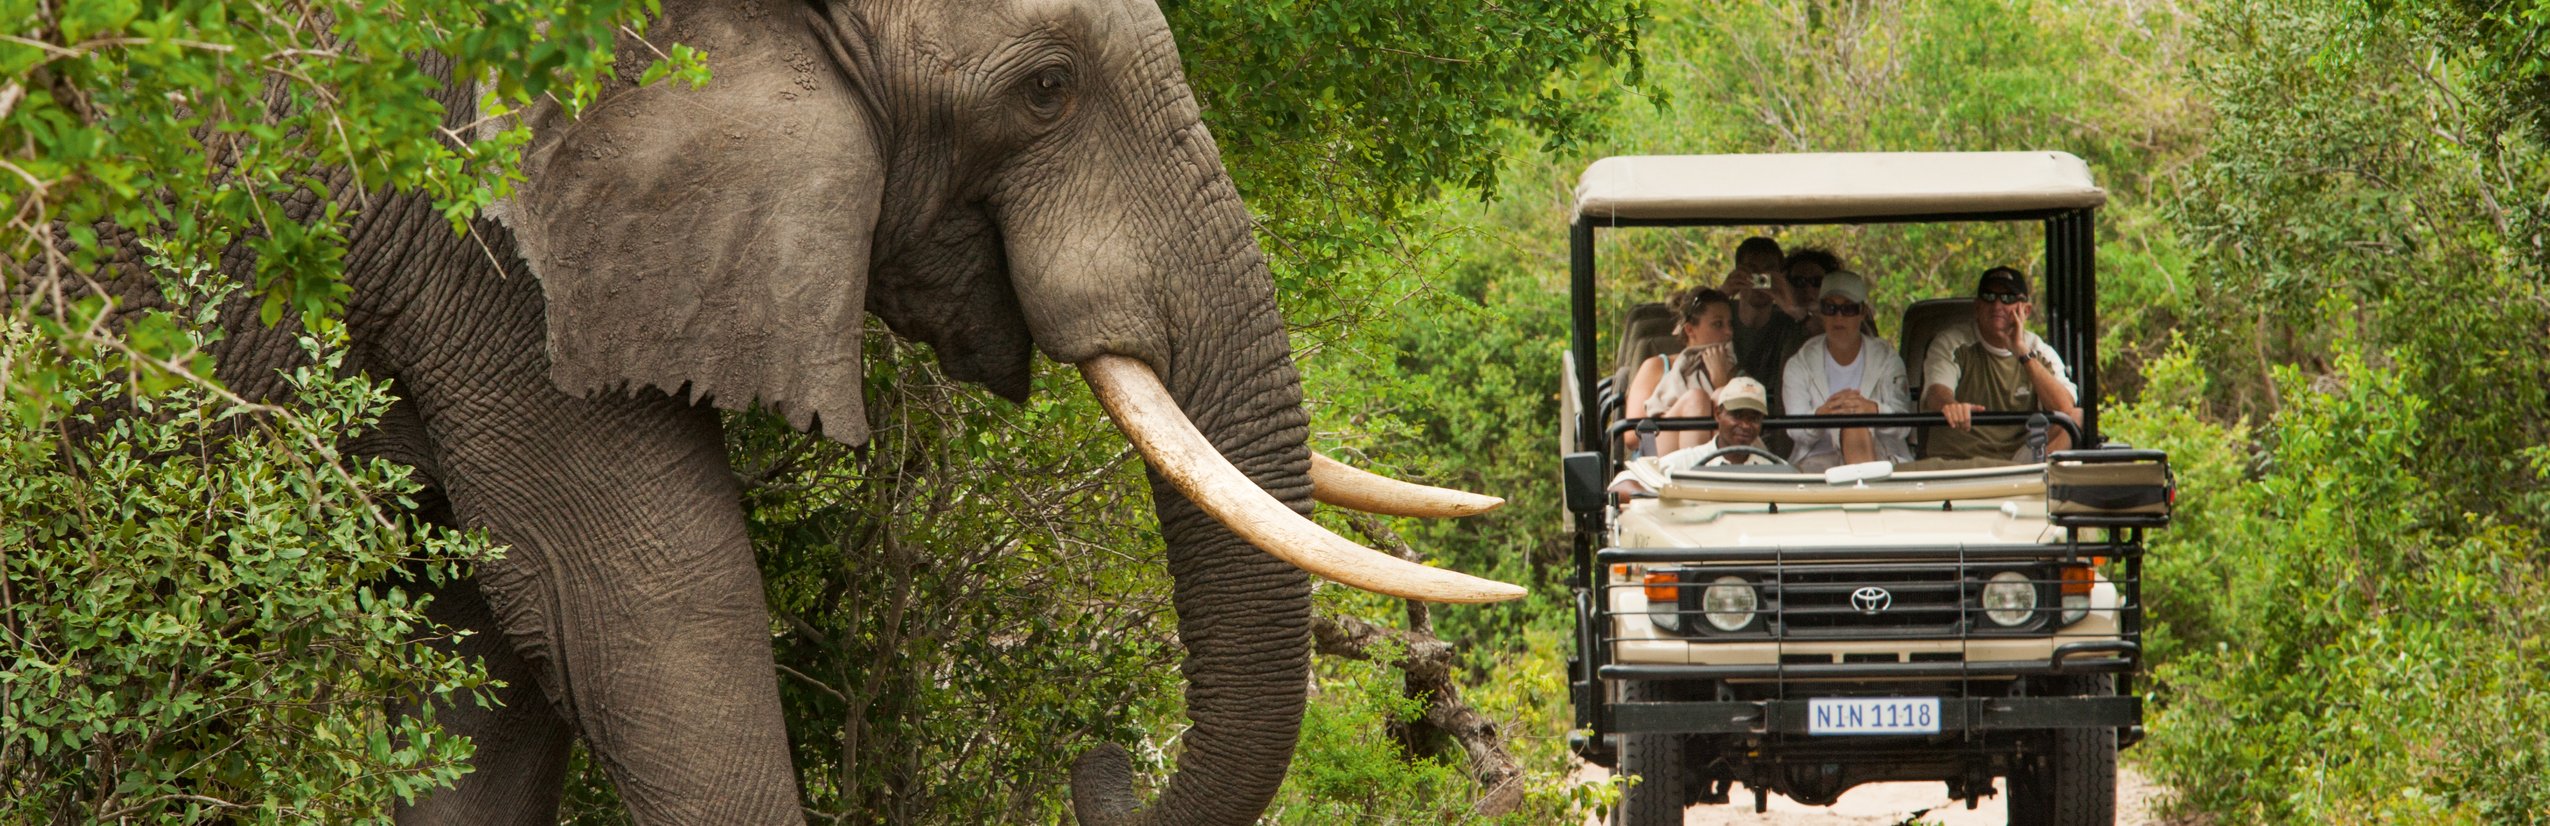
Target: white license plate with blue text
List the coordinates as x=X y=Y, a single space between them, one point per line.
x=1873 y=715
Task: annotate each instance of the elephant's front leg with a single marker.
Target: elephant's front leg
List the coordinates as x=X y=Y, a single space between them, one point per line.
x=516 y=773
x=628 y=585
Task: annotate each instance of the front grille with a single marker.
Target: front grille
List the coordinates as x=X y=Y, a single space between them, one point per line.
x=1820 y=602
x=1866 y=601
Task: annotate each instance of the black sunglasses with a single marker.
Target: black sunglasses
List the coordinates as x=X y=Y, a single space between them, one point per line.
x=1806 y=282
x=1838 y=309
x=1996 y=297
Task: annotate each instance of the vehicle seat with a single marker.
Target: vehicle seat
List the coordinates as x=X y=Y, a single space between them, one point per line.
x=1923 y=321
x=1647 y=332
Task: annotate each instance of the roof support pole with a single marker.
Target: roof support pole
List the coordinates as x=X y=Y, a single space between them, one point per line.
x=1580 y=265
x=2085 y=294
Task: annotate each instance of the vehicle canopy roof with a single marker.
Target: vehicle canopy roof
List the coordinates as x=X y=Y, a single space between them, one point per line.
x=1850 y=187
x=2051 y=187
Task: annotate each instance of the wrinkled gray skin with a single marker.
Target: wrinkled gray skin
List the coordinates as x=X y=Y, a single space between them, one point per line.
x=986 y=177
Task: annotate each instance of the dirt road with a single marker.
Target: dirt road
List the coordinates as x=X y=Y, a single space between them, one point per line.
x=1891 y=804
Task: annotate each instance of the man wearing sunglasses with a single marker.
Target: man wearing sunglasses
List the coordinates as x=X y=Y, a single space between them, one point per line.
x=1995 y=365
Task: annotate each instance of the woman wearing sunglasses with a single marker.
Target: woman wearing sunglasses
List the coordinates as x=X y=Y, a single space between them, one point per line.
x=1844 y=371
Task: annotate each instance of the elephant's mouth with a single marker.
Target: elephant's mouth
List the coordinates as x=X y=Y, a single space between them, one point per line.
x=1142 y=407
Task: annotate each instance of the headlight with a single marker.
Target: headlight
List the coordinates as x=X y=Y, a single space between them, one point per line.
x=1730 y=603
x=2009 y=599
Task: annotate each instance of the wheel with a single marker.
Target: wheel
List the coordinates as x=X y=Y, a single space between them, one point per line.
x=1663 y=786
x=2073 y=781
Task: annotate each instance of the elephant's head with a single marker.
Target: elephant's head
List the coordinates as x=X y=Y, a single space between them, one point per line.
x=984 y=177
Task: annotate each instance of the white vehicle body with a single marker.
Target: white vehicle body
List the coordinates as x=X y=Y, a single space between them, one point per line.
x=1804 y=633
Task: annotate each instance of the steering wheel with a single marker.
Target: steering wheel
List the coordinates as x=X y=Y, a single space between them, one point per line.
x=1723 y=452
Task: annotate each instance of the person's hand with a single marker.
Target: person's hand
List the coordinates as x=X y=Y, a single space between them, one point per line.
x=1782 y=294
x=1718 y=359
x=1846 y=402
x=1960 y=414
x=1739 y=286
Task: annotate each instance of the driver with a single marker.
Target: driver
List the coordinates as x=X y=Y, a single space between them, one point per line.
x=1994 y=365
x=1741 y=405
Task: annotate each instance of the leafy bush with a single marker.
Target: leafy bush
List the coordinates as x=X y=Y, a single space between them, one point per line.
x=2351 y=619
x=2342 y=661
x=1345 y=772
x=202 y=616
x=964 y=604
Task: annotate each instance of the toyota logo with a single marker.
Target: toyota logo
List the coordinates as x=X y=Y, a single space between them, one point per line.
x=1872 y=600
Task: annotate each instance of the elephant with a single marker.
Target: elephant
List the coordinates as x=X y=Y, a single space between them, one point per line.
x=994 y=179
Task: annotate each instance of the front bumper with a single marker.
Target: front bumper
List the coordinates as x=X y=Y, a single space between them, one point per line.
x=1957 y=715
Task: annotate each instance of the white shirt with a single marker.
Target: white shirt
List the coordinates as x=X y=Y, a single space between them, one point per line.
x=1804 y=386
x=1689 y=457
x=1837 y=374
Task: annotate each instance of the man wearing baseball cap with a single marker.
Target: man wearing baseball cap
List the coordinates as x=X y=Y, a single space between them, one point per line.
x=1994 y=365
x=1741 y=405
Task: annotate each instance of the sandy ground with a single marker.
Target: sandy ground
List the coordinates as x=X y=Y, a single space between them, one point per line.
x=1891 y=804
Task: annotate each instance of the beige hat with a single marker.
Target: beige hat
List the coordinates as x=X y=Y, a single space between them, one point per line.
x=1846 y=284
x=1743 y=393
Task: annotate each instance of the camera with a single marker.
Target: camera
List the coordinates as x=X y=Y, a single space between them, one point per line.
x=1761 y=280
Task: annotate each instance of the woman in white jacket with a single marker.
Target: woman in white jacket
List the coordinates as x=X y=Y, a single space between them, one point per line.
x=1843 y=372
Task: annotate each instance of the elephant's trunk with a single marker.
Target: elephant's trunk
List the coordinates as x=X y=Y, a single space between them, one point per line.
x=1243 y=615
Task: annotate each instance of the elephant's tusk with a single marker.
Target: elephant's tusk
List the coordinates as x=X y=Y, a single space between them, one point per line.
x=1142 y=408
x=1337 y=483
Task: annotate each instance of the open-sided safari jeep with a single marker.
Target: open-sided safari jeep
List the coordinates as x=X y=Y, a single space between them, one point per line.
x=1803 y=634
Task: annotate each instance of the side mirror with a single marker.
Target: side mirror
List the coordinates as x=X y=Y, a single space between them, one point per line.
x=1582 y=474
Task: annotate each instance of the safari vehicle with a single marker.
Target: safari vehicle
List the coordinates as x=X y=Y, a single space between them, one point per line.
x=1806 y=633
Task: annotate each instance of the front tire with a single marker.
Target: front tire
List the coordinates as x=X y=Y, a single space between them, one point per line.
x=1662 y=788
x=2072 y=782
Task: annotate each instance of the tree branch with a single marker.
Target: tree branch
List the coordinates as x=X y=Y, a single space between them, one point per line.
x=1427 y=662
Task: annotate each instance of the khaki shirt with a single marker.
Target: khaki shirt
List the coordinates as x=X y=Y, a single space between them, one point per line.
x=1959 y=360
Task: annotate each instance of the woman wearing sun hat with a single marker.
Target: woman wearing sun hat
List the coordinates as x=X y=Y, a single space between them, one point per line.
x=1844 y=371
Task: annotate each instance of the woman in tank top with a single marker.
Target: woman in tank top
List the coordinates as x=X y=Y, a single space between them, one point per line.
x=1686 y=383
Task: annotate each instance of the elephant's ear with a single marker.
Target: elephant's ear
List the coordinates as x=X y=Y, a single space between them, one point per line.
x=710 y=240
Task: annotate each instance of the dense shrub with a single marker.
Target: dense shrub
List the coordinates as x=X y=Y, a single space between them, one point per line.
x=2351 y=606
x=2336 y=658
x=202 y=615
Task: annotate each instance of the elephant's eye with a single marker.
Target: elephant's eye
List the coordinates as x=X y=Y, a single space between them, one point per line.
x=1048 y=89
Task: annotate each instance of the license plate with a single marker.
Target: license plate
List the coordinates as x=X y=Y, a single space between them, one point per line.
x=1873 y=715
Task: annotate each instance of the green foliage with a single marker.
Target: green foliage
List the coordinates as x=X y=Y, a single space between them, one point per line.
x=2342 y=661
x=965 y=603
x=204 y=607
x=204 y=125
x=1336 y=118
x=1345 y=773
x=2352 y=614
